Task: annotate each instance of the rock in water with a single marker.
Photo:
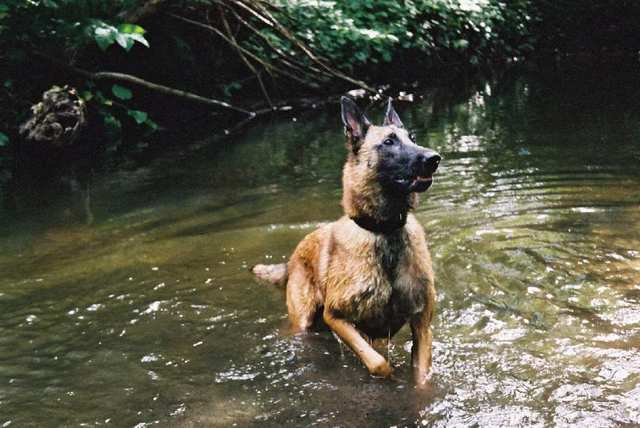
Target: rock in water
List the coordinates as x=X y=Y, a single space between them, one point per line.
x=58 y=119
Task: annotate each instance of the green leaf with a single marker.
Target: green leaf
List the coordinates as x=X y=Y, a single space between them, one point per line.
x=151 y=124
x=125 y=41
x=131 y=29
x=361 y=56
x=100 y=96
x=130 y=33
x=50 y=4
x=233 y=86
x=139 y=116
x=121 y=92
x=4 y=139
x=139 y=38
x=4 y=11
x=112 y=124
x=461 y=44
x=104 y=36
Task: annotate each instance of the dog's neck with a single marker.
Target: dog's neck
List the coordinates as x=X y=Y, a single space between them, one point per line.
x=385 y=227
x=376 y=211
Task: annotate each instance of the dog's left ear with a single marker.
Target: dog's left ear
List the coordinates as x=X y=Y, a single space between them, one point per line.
x=355 y=122
x=391 y=117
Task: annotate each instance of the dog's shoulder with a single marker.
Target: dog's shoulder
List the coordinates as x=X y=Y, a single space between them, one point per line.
x=309 y=247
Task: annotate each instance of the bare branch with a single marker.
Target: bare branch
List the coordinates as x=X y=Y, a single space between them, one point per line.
x=262 y=11
x=285 y=58
x=121 y=77
x=243 y=57
x=148 y=8
x=248 y=53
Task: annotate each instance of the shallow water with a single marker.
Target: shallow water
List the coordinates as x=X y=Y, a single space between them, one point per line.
x=149 y=316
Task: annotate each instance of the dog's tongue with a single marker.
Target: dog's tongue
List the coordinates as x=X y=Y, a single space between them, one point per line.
x=421 y=178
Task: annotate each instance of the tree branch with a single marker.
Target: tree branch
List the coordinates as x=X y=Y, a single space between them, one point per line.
x=243 y=57
x=148 y=8
x=285 y=58
x=268 y=66
x=166 y=90
x=273 y=22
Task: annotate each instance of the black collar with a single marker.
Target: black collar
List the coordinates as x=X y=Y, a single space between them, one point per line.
x=376 y=226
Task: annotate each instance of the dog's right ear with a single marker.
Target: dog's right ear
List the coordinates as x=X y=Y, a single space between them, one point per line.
x=355 y=122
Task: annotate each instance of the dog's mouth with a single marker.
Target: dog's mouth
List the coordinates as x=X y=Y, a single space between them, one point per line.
x=417 y=183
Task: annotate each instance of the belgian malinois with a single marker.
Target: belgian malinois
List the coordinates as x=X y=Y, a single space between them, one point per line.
x=369 y=272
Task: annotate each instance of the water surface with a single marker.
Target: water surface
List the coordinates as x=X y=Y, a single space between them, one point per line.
x=149 y=315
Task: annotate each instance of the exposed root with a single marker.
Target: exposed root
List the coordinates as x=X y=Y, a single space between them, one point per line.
x=58 y=119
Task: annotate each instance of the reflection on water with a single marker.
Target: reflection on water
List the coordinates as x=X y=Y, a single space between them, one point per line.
x=150 y=316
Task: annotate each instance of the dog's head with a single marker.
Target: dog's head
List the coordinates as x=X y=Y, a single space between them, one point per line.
x=384 y=162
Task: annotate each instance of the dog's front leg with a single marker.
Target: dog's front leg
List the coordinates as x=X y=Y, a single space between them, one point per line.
x=421 y=349
x=376 y=364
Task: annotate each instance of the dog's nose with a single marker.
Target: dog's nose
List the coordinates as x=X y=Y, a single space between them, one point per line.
x=429 y=162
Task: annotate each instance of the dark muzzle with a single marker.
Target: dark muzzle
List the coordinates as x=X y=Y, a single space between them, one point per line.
x=425 y=166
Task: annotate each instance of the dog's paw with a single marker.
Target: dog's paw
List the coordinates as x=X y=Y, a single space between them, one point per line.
x=382 y=369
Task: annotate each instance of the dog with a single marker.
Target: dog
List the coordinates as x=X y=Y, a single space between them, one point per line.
x=368 y=273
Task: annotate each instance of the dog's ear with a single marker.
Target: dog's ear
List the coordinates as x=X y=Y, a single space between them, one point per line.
x=391 y=117
x=355 y=122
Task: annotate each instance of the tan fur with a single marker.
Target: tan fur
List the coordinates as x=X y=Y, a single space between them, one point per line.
x=367 y=285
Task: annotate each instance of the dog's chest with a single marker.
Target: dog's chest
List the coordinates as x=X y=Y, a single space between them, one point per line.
x=387 y=288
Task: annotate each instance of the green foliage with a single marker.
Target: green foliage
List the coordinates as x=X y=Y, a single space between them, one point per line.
x=4 y=139
x=139 y=116
x=114 y=113
x=113 y=126
x=230 y=88
x=359 y=32
x=62 y=30
x=121 y=92
x=57 y=26
x=125 y=35
x=361 y=37
x=368 y=39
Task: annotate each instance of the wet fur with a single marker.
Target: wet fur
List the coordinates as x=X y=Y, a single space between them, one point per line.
x=366 y=285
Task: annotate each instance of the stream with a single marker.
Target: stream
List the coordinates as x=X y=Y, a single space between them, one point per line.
x=150 y=317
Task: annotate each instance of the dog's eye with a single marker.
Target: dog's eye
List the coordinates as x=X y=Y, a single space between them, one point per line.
x=412 y=137
x=389 y=142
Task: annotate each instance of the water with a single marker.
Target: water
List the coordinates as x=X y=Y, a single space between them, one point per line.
x=149 y=316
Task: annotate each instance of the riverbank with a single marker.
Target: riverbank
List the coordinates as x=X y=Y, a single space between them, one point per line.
x=147 y=65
